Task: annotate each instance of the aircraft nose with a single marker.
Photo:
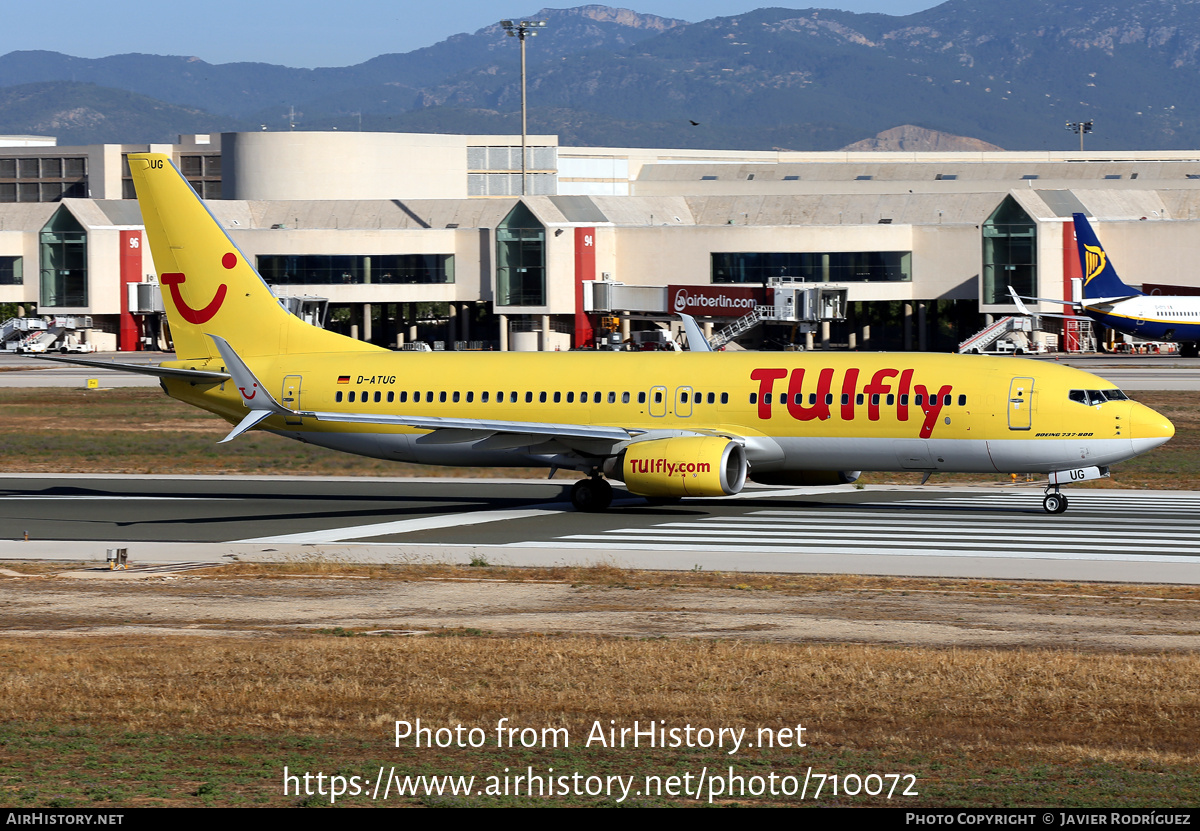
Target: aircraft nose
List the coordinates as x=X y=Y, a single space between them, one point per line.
x=1149 y=428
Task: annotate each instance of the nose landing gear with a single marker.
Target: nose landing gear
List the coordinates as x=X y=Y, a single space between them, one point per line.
x=1055 y=502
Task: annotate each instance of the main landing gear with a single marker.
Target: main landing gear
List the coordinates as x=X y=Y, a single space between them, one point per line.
x=593 y=494
x=1055 y=502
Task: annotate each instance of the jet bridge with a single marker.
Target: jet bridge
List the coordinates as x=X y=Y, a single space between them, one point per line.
x=805 y=305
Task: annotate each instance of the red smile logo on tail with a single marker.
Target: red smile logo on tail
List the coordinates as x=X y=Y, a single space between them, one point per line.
x=191 y=315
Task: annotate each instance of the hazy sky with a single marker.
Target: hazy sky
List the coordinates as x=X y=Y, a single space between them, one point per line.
x=310 y=33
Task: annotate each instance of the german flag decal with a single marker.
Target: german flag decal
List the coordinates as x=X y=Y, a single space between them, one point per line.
x=343 y=379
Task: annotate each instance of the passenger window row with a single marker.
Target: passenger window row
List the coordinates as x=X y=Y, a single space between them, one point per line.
x=860 y=399
x=514 y=397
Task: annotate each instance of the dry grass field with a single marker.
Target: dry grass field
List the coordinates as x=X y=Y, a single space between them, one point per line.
x=162 y=693
x=200 y=690
x=149 y=721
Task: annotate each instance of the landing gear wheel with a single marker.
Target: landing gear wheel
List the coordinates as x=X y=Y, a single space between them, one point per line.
x=1054 y=503
x=1190 y=349
x=591 y=495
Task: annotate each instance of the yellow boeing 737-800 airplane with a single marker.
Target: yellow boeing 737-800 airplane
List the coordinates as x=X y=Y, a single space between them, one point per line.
x=667 y=424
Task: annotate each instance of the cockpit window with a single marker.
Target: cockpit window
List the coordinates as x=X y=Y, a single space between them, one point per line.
x=1095 y=397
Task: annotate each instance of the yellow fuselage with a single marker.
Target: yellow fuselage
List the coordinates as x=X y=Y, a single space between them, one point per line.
x=870 y=411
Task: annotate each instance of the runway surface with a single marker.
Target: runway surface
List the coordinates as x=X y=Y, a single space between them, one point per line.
x=24 y=371
x=982 y=532
x=1133 y=536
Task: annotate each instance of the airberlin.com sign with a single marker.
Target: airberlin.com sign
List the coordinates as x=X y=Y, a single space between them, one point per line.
x=715 y=301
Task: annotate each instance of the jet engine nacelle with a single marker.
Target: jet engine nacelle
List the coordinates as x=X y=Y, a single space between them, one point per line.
x=807 y=477
x=682 y=466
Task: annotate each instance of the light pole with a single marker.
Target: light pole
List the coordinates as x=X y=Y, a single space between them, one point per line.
x=1080 y=128
x=520 y=31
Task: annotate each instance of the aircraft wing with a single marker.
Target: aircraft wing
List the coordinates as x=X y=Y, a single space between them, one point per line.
x=1091 y=301
x=1107 y=301
x=1060 y=316
x=477 y=428
x=1050 y=300
x=142 y=369
x=262 y=405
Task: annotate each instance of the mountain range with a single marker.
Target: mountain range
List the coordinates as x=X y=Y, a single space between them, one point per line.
x=1007 y=72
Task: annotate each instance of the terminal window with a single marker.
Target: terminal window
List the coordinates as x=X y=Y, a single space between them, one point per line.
x=325 y=269
x=817 y=267
x=1009 y=254
x=496 y=171
x=520 y=259
x=11 y=271
x=64 y=261
x=43 y=178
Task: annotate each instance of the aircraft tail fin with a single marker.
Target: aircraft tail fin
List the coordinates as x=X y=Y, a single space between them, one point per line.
x=208 y=285
x=1099 y=277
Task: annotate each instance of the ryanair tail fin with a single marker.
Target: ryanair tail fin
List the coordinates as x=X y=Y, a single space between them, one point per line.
x=1099 y=277
x=208 y=285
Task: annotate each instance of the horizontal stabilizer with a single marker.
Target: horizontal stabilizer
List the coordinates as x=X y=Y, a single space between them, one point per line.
x=251 y=420
x=143 y=369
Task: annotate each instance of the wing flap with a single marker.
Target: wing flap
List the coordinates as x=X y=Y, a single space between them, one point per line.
x=1107 y=301
x=474 y=429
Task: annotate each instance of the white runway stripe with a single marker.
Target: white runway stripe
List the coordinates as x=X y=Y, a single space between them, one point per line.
x=608 y=546
x=404 y=526
x=116 y=497
x=904 y=521
x=1083 y=501
x=1090 y=537
x=1099 y=527
x=847 y=538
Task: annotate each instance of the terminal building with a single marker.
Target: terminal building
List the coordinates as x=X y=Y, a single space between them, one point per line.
x=445 y=240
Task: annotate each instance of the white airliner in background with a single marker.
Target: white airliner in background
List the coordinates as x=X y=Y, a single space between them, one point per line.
x=1109 y=301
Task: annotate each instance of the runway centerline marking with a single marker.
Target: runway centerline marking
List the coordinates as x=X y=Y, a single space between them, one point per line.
x=405 y=526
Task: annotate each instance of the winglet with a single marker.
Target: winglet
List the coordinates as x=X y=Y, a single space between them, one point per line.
x=695 y=335
x=1021 y=309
